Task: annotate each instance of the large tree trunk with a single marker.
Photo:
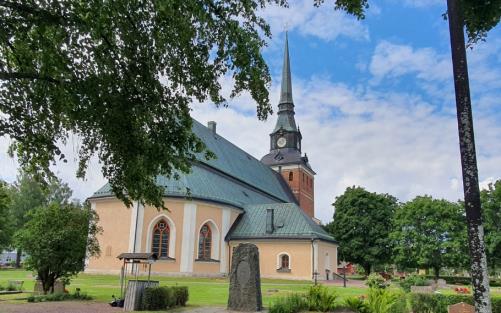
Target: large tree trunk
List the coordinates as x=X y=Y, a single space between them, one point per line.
x=480 y=279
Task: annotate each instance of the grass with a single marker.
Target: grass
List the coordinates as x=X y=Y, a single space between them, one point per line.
x=203 y=291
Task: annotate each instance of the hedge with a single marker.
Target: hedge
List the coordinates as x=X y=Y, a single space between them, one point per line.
x=59 y=297
x=181 y=295
x=438 y=303
x=160 y=298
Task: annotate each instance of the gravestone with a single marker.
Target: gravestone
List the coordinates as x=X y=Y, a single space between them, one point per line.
x=461 y=308
x=58 y=287
x=441 y=283
x=422 y=289
x=245 y=279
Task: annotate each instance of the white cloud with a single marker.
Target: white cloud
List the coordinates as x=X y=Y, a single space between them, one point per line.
x=323 y=22
x=394 y=60
x=387 y=142
x=484 y=184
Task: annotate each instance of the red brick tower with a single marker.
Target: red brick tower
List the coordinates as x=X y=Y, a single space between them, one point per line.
x=285 y=146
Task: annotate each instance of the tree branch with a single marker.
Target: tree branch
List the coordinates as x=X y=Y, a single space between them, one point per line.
x=23 y=8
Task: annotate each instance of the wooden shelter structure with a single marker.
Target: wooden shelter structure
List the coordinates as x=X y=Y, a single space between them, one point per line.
x=132 y=262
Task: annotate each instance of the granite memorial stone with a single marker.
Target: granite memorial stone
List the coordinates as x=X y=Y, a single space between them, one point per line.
x=245 y=279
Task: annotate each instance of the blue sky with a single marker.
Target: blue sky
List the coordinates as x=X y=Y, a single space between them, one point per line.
x=374 y=100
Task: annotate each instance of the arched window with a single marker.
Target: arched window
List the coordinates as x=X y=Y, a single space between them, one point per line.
x=291 y=176
x=160 y=242
x=284 y=261
x=205 y=242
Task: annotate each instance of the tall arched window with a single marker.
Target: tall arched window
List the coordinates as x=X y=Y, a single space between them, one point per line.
x=291 y=176
x=160 y=242
x=284 y=261
x=205 y=242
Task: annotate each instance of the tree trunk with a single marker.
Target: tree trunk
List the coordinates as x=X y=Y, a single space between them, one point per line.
x=480 y=279
x=18 y=258
x=367 y=269
x=436 y=273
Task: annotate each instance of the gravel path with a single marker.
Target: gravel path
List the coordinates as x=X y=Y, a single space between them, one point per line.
x=59 y=307
x=88 y=307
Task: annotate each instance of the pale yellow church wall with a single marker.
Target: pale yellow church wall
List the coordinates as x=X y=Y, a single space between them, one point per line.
x=202 y=267
x=114 y=218
x=174 y=216
x=213 y=216
x=300 y=258
x=327 y=259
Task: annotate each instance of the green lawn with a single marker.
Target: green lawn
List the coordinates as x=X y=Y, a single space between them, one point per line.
x=203 y=291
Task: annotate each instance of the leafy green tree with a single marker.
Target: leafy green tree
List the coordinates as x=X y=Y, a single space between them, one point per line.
x=57 y=238
x=362 y=225
x=121 y=75
x=6 y=221
x=491 y=209
x=430 y=233
x=28 y=194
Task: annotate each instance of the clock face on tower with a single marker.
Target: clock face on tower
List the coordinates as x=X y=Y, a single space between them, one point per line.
x=281 y=142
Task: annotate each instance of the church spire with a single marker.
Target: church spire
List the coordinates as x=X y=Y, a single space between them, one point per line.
x=286 y=90
x=286 y=113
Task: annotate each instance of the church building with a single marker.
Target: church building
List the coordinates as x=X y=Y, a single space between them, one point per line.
x=222 y=202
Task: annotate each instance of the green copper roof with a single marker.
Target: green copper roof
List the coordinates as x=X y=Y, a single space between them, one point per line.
x=204 y=183
x=290 y=222
x=285 y=119
x=234 y=178
x=286 y=122
x=286 y=90
x=239 y=164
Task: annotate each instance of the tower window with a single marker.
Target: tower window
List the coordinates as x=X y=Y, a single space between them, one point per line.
x=291 y=176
